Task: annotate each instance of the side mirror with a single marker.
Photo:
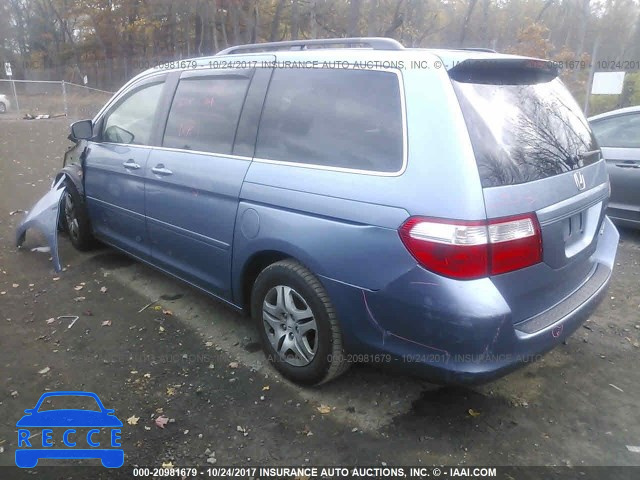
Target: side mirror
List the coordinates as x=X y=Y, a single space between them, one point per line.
x=82 y=130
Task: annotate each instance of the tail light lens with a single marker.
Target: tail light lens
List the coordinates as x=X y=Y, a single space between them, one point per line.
x=468 y=250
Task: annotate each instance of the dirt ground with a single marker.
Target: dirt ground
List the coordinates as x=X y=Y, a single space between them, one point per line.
x=197 y=362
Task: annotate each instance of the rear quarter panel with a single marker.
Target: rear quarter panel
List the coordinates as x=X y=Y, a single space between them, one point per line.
x=343 y=225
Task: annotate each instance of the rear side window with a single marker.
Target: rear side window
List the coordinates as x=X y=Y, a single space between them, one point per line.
x=205 y=112
x=524 y=132
x=334 y=118
x=622 y=131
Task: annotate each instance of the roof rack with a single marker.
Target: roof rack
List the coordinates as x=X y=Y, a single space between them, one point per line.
x=479 y=49
x=377 y=43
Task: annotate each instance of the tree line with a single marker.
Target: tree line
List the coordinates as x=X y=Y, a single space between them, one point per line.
x=111 y=40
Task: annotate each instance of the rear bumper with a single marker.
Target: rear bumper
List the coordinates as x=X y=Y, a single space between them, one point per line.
x=461 y=332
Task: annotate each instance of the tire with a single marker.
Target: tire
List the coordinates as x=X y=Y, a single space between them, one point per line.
x=3 y=108
x=74 y=218
x=298 y=326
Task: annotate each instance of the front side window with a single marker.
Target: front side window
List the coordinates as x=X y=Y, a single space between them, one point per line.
x=204 y=113
x=622 y=131
x=337 y=118
x=131 y=121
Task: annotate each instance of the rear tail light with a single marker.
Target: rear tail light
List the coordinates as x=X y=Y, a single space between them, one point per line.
x=468 y=250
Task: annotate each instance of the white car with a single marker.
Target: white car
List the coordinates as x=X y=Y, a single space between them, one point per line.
x=5 y=104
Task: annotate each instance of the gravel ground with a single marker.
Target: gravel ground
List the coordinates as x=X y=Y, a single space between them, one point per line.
x=197 y=363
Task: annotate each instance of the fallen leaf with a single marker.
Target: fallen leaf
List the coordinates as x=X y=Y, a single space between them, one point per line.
x=233 y=365
x=50 y=320
x=266 y=387
x=147 y=375
x=103 y=289
x=157 y=308
x=133 y=420
x=77 y=288
x=44 y=370
x=15 y=285
x=208 y=344
x=106 y=323
x=14 y=394
x=79 y=299
x=171 y=391
x=3 y=293
x=161 y=329
x=167 y=312
x=161 y=421
x=473 y=412
x=324 y=409
x=55 y=279
x=167 y=465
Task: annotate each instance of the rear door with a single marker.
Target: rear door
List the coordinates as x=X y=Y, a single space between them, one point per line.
x=193 y=181
x=619 y=138
x=535 y=154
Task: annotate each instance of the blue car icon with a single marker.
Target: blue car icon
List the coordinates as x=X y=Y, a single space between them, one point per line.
x=32 y=447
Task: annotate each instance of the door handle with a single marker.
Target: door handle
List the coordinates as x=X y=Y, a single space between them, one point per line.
x=131 y=165
x=628 y=165
x=161 y=170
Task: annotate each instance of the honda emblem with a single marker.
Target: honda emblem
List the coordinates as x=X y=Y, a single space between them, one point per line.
x=579 y=179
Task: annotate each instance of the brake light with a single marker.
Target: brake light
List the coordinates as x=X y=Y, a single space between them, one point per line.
x=467 y=250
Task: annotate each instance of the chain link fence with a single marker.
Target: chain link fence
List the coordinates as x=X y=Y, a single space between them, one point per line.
x=54 y=98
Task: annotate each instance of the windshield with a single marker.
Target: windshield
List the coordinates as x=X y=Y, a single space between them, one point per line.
x=526 y=132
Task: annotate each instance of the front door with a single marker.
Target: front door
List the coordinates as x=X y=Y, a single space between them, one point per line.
x=115 y=167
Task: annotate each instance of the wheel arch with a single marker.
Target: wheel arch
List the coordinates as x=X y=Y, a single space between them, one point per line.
x=268 y=251
x=255 y=264
x=74 y=174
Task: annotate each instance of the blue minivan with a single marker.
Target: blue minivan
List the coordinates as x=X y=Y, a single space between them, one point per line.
x=437 y=210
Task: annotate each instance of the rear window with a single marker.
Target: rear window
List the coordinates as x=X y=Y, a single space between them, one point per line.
x=335 y=118
x=524 y=132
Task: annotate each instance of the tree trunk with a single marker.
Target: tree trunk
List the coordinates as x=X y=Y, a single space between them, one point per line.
x=372 y=24
x=214 y=27
x=255 y=31
x=313 y=20
x=398 y=19
x=295 y=19
x=465 y=23
x=275 y=23
x=353 y=29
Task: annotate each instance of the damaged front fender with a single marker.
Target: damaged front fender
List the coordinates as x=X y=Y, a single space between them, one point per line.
x=44 y=217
